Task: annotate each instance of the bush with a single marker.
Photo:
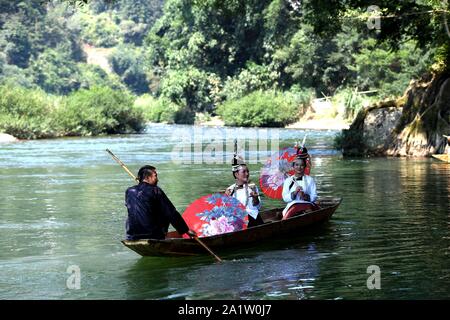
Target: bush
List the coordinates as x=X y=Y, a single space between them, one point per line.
x=351 y=100
x=32 y=114
x=163 y=110
x=195 y=90
x=24 y=113
x=303 y=98
x=99 y=110
x=259 y=109
x=254 y=77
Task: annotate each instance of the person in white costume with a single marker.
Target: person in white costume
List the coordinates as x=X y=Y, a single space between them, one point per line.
x=299 y=188
x=247 y=193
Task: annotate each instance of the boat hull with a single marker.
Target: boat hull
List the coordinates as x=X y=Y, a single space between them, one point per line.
x=175 y=245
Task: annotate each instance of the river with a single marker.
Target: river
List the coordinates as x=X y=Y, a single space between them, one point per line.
x=62 y=209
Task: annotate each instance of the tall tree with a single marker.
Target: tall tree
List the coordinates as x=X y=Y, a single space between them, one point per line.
x=422 y=20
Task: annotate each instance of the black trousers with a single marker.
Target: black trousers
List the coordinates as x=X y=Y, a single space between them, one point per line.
x=254 y=222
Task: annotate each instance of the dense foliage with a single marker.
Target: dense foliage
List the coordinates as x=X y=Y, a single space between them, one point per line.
x=30 y=113
x=188 y=57
x=261 y=109
x=99 y=110
x=24 y=113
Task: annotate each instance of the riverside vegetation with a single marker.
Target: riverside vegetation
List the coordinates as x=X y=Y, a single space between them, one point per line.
x=252 y=63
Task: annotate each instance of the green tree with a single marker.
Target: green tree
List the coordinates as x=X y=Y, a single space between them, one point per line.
x=192 y=89
x=55 y=72
x=129 y=64
x=15 y=42
x=209 y=35
x=420 y=20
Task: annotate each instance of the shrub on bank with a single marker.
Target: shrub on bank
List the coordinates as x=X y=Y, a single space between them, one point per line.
x=99 y=110
x=259 y=109
x=351 y=100
x=24 y=113
x=157 y=110
x=302 y=97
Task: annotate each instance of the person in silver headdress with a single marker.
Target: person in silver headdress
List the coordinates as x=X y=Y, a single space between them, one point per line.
x=247 y=193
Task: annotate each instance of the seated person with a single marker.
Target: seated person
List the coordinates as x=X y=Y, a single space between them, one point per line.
x=299 y=188
x=150 y=211
x=247 y=193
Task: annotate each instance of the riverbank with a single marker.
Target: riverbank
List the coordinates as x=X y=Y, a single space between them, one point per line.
x=303 y=124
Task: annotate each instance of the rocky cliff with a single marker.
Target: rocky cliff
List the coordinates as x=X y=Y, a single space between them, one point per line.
x=413 y=125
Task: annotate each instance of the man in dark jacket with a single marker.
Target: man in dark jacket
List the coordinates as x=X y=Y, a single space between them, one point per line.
x=149 y=210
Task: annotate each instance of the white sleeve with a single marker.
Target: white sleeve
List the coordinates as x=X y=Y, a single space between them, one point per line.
x=286 y=190
x=250 y=203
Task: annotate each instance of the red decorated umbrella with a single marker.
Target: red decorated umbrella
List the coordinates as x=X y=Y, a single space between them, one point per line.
x=275 y=171
x=215 y=214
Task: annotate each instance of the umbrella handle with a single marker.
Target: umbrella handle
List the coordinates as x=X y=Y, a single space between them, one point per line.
x=208 y=249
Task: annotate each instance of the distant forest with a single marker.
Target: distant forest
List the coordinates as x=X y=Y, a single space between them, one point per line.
x=177 y=59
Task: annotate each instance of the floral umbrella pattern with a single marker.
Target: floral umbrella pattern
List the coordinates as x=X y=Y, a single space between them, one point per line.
x=215 y=214
x=277 y=168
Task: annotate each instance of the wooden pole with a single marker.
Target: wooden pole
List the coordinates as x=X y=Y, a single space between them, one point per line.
x=122 y=165
x=208 y=249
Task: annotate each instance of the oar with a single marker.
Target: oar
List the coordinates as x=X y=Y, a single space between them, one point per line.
x=122 y=165
x=206 y=247
x=135 y=178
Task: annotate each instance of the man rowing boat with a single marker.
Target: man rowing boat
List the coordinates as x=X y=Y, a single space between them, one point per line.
x=150 y=211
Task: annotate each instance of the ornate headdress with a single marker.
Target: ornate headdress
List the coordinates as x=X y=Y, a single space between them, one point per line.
x=302 y=152
x=237 y=161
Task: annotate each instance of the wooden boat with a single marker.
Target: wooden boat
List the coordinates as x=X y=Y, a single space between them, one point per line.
x=175 y=245
x=442 y=157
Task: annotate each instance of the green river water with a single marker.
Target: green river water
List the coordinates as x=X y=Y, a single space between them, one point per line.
x=62 y=205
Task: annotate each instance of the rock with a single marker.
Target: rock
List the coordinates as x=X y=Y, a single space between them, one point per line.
x=7 y=138
x=377 y=127
x=428 y=112
x=414 y=125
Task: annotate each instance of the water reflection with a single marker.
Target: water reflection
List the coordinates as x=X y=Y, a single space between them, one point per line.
x=282 y=269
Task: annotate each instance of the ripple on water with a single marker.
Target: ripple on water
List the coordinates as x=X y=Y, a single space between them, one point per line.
x=63 y=203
